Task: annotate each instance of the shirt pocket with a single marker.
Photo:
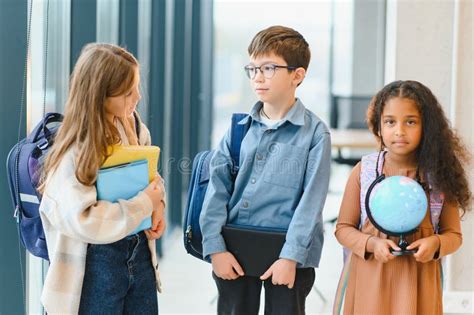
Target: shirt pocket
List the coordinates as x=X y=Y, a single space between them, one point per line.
x=285 y=165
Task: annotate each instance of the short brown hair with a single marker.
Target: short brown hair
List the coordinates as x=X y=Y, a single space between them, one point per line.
x=284 y=42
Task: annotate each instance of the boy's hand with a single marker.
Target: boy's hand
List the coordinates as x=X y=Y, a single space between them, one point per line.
x=380 y=248
x=282 y=271
x=225 y=266
x=427 y=247
x=158 y=223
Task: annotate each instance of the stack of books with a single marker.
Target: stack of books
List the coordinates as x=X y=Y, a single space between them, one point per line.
x=127 y=171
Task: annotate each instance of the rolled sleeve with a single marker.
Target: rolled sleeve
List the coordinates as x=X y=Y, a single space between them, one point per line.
x=296 y=253
x=213 y=245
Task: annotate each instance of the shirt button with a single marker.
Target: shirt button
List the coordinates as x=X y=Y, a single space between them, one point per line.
x=253 y=180
x=245 y=204
x=274 y=148
x=259 y=157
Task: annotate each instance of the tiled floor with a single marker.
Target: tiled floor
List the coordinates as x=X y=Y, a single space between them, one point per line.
x=189 y=289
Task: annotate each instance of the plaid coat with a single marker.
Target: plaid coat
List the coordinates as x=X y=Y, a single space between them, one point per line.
x=72 y=218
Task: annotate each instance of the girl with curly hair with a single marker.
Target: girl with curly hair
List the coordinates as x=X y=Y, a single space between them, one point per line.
x=416 y=141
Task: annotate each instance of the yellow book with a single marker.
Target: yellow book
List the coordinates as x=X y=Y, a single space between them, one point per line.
x=121 y=154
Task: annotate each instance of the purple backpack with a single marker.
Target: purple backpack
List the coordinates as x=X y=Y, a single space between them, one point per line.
x=24 y=164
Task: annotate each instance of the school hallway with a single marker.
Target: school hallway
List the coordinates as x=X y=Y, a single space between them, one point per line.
x=188 y=287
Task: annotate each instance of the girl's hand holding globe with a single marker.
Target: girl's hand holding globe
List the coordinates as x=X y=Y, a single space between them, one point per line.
x=396 y=206
x=381 y=248
x=427 y=247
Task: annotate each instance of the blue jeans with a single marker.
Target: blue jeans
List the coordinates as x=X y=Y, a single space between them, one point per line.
x=119 y=278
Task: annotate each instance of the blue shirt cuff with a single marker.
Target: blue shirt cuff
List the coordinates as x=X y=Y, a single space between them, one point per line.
x=213 y=245
x=296 y=253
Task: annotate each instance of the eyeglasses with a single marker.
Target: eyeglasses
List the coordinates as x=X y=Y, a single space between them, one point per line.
x=268 y=70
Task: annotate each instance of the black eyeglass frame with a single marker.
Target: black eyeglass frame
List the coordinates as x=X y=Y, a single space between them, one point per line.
x=259 y=68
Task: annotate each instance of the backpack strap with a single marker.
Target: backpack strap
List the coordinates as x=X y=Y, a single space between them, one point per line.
x=368 y=173
x=137 y=125
x=237 y=134
x=42 y=131
x=341 y=287
x=436 y=206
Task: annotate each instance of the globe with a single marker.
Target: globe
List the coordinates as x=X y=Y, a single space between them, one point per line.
x=398 y=204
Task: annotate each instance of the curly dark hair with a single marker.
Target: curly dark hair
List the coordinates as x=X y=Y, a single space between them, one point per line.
x=441 y=155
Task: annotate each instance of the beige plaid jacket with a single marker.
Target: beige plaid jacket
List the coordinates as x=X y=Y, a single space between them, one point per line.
x=72 y=218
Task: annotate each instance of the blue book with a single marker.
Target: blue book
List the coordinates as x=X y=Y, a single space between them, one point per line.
x=124 y=181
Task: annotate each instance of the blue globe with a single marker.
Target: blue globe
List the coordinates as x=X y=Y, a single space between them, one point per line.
x=398 y=204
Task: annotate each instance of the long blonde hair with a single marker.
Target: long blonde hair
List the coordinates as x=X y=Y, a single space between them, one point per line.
x=102 y=70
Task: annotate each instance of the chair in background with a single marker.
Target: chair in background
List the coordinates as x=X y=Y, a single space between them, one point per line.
x=348 y=112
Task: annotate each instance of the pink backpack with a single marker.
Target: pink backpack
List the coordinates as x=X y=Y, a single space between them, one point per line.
x=367 y=176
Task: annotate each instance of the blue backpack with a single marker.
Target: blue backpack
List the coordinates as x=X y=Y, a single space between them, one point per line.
x=198 y=186
x=24 y=164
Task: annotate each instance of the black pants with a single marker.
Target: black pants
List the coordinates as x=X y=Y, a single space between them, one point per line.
x=242 y=296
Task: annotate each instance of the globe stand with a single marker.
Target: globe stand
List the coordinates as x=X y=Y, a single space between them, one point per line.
x=403 y=244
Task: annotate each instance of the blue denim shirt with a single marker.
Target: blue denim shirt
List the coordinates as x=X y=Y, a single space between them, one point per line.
x=282 y=183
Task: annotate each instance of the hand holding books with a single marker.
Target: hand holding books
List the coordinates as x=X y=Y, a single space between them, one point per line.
x=282 y=272
x=226 y=266
x=158 y=223
x=156 y=192
x=126 y=172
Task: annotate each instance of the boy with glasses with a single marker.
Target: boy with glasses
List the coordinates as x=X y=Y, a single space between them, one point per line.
x=282 y=182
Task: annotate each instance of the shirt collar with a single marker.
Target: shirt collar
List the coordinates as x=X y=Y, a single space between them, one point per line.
x=294 y=116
